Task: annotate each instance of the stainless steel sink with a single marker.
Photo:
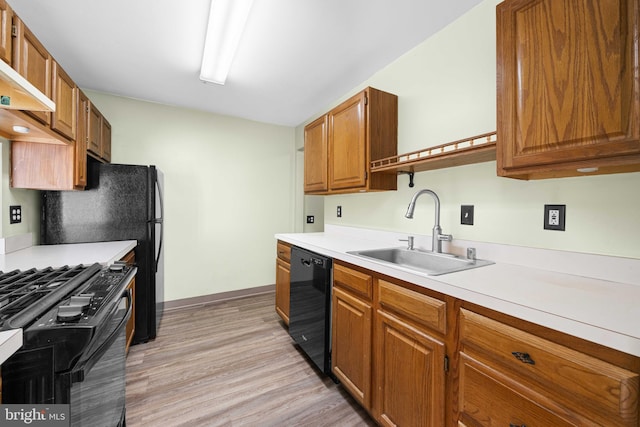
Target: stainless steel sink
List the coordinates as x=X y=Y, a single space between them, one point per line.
x=433 y=264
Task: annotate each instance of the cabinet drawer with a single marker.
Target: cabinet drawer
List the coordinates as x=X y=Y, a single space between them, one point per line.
x=504 y=407
x=425 y=310
x=284 y=252
x=580 y=382
x=355 y=281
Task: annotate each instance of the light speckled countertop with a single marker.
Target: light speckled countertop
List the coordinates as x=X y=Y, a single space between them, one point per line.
x=68 y=254
x=596 y=308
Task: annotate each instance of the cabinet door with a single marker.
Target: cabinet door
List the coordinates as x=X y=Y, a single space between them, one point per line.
x=6 y=16
x=94 y=144
x=63 y=120
x=33 y=62
x=410 y=376
x=568 y=92
x=130 y=259
x=351 y=345
x=347 y=144
x=131 y=324
x=487 y=399
x=315 y=156
x=82 y=135
x=283 y=285
x=105 y=139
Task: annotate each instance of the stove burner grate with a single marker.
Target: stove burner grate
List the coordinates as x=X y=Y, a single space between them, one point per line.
x=21 y=291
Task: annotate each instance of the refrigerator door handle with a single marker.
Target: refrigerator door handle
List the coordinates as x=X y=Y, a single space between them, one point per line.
x=159 y=220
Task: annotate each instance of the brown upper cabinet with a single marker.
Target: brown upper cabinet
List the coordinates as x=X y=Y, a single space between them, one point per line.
x=568 y=94
x=6 y=22
x=65 y=96
x=53 y=155
x=316 y=167
x=33 y=62
x=99 y=142
x=340 y=145
x=105 y=140
x=82 y=132
x=95 y=131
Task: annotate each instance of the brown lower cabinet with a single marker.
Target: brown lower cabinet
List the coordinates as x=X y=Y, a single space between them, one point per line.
x=130 y=259
x=283 y=278
x=414 y=357
x=352 y=326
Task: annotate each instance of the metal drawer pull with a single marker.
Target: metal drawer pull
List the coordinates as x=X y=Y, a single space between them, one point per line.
x=517 y=425
x=523 y=357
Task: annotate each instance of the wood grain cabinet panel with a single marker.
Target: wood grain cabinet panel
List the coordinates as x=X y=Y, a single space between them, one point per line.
x=82 y=136
x=413 y=306
x=283 y=280
x=575 y=386
x=6 y=22
x=105 y=140
x=65 y=96
x=410 y=375
x=94 y=143
x=355 y=281
x=33 y=62
x=351 y=344
x=316 y=176
x=568 y=87
x=347 y=138
x=130 y=259
x=488 y=402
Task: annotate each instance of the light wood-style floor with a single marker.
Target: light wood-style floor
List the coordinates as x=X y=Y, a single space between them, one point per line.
x=231 y=363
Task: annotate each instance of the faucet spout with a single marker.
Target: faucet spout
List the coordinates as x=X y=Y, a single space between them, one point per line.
x=436 y=236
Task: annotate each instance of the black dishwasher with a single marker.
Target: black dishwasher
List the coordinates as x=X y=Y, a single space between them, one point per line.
x=310 y=306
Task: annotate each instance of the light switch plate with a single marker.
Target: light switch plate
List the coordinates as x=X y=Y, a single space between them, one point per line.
x=466 y=214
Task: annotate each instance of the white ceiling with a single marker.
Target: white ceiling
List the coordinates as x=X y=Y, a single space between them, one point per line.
x=295 y=57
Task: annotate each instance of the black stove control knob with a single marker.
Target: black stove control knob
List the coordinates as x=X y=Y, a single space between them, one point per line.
x=83 y=301
x=69 y=313
x=117 y=267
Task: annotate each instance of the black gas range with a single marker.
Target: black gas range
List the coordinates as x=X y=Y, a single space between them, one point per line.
x=74 y=321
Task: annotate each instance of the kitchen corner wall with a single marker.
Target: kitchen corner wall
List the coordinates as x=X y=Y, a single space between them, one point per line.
x=228 y=190
x=29 y=200
x=447 y=91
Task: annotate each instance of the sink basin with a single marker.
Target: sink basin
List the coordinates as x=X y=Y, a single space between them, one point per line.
x=433 y=264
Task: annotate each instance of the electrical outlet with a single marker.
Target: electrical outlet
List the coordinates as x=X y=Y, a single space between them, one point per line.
x=466 y=214
x=339 y=212
x=310 y=219
x=554 y=217
x=15 y=214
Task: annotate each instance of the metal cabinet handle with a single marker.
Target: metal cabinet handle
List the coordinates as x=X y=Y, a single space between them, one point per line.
x=523 y=357
x=517 y=425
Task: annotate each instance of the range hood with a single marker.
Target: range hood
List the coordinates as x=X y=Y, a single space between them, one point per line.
x=16 y=93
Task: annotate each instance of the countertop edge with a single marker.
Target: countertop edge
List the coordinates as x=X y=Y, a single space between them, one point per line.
x=10 y=342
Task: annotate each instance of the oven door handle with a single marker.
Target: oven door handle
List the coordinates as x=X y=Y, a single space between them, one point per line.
x=79 y=372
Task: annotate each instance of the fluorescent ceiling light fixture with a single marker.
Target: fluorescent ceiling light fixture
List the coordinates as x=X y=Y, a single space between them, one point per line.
x=227 y=19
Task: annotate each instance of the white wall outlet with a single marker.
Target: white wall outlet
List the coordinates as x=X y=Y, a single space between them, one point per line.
x=554 y=217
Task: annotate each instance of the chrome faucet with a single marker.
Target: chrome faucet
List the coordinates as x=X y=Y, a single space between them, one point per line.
x=436 y=236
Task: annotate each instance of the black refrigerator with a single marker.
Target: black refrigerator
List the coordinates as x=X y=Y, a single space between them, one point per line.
x=120 y=202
